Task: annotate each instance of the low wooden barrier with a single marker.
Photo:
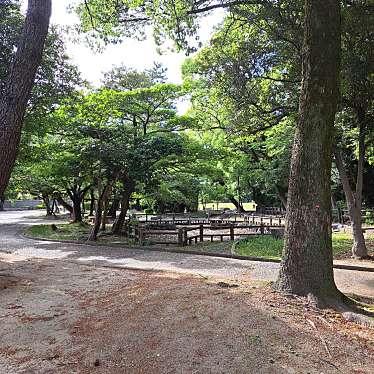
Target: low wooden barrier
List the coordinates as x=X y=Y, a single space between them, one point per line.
x=181 y=236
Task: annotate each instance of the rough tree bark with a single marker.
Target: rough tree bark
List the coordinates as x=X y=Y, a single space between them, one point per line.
x=129 y=187
x=19 y=83
x=306 y=267
x=354 y=200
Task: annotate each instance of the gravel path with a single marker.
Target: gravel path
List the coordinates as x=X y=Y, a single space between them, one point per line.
x=13 y=223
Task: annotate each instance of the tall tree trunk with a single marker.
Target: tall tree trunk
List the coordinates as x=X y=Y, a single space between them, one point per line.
x=359 y=249
x=112 y=212
x=129 y=187
x=103 y=196
x=77 y=209
x=92 y=202
x=281 y=196
x=306 y=267
x=106 y=207
x=77 y=195
x=47 y=202
x=19 y=84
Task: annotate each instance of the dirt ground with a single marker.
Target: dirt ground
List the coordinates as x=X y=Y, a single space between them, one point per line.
x=63 y=317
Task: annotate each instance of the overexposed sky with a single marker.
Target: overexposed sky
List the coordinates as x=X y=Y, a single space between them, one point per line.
x=132 y=53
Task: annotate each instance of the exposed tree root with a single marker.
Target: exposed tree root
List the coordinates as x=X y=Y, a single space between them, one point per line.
x=350 y=309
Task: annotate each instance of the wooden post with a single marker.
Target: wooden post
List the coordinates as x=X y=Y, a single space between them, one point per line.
x=201 y=233
x=141 y=236
x=271 y=221
x=232 y=236
x=262 y=229
x=180 y=237
x=184 y=236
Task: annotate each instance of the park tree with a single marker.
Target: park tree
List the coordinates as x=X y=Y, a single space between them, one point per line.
x=356 y=114
x=307 y=260
x=306 y=267
x=128 y=134
x=19 y=82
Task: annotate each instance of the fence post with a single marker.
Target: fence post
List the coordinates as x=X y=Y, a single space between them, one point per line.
x=184 y=236
x=262 y=229
x=201 y=233
x=141 y=236
x=180 y=237
x=232 y=232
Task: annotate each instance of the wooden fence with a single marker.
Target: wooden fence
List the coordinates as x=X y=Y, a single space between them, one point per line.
x=183 y=236
x=193 y=221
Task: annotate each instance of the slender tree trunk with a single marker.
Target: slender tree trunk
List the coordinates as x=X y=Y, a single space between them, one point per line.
x=112 y=212
x=2 y=201
x=92 y=202
x=103 y=196
x=19 y=83
x=281 y=196
x=306 y=267
x=125 y=202
x=46 y=201
x=359 y=249
x=106 y=207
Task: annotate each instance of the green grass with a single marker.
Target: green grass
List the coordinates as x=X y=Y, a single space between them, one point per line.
x=72 y=231
x=260 y=246
x=269 y=247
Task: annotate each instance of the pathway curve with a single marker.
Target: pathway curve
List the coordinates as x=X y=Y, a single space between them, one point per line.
x=13 y=223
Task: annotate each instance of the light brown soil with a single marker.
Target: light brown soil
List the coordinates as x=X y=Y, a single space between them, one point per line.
x=62 y=317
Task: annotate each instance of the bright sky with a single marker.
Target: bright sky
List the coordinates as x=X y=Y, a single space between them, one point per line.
x=135 y=54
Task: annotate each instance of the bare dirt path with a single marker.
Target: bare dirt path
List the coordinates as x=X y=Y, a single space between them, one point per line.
x=61 y=311
x=64 y=317
x=13 y=223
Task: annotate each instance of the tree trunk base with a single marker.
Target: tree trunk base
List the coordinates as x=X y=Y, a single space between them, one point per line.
x=350 y=309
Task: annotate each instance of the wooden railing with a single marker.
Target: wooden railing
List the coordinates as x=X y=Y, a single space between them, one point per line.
x=180 y=236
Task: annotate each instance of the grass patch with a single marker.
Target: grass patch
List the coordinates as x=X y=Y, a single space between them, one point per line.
x=260 y=246
x=269 y=247
x=72 y=231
